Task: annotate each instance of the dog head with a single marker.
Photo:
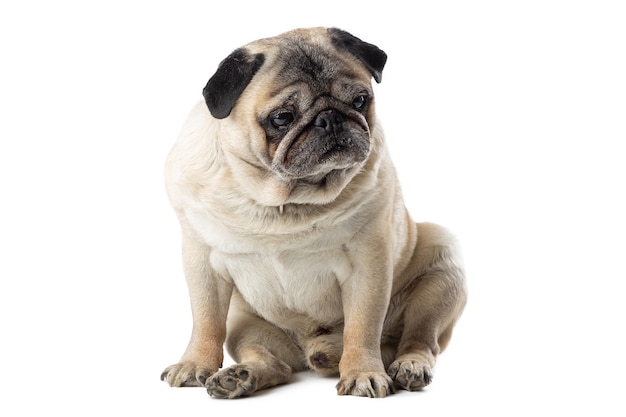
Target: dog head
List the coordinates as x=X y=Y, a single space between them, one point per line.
x=298 y=108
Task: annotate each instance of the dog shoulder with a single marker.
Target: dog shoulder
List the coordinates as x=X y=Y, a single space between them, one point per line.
x=195 y=156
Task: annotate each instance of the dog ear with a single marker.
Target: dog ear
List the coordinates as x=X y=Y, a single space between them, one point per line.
x=370 y=55
x=232 y=77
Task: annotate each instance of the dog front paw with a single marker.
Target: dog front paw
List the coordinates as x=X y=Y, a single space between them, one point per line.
x=366 y=384
x=186 y=374
x=232 y=382
x=411 y=375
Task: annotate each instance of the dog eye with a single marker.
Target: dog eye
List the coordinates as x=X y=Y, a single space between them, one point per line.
x=282 y=119
x=360 y=102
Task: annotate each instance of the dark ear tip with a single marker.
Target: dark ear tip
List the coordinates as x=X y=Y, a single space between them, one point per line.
x=232 y=77
x=216 y=111
x=370 y=55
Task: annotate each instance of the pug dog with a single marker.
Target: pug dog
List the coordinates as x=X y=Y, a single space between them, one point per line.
x=297 y=248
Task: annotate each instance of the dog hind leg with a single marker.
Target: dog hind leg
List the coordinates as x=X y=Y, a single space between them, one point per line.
x=266 y=356
x=435 y=301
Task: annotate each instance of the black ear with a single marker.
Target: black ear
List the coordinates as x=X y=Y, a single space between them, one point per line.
x=232 y=77
x=370 y=55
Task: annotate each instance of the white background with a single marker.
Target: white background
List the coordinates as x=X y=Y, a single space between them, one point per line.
x=507 y=123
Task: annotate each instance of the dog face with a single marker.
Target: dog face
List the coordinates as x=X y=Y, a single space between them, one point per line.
x=299 y=108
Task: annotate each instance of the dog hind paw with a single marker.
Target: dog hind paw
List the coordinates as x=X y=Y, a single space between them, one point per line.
x=231 y=382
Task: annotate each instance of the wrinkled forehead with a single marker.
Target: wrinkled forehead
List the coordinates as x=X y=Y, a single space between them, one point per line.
x=318 y=64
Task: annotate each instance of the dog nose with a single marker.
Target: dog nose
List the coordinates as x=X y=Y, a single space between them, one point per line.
x=330 y=120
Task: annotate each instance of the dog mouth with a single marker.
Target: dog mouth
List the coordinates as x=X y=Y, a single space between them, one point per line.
x=334 y=150
x=314 y=166
x=323 y=178
x=314 y=155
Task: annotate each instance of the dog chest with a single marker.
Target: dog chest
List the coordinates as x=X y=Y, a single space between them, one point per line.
x=297 y=281
x=297 y=272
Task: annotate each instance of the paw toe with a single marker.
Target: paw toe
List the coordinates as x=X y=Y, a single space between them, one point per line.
x=185 y=374
x=231 y=383
x=369 y=384
x=410 y=375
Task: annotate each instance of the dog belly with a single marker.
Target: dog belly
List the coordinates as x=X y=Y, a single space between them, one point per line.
x=290 y=284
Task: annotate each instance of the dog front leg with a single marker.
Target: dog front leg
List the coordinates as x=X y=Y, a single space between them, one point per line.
x=210 y=297
x=365 y=298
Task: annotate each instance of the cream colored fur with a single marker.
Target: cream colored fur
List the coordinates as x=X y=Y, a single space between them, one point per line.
x=348 y=285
